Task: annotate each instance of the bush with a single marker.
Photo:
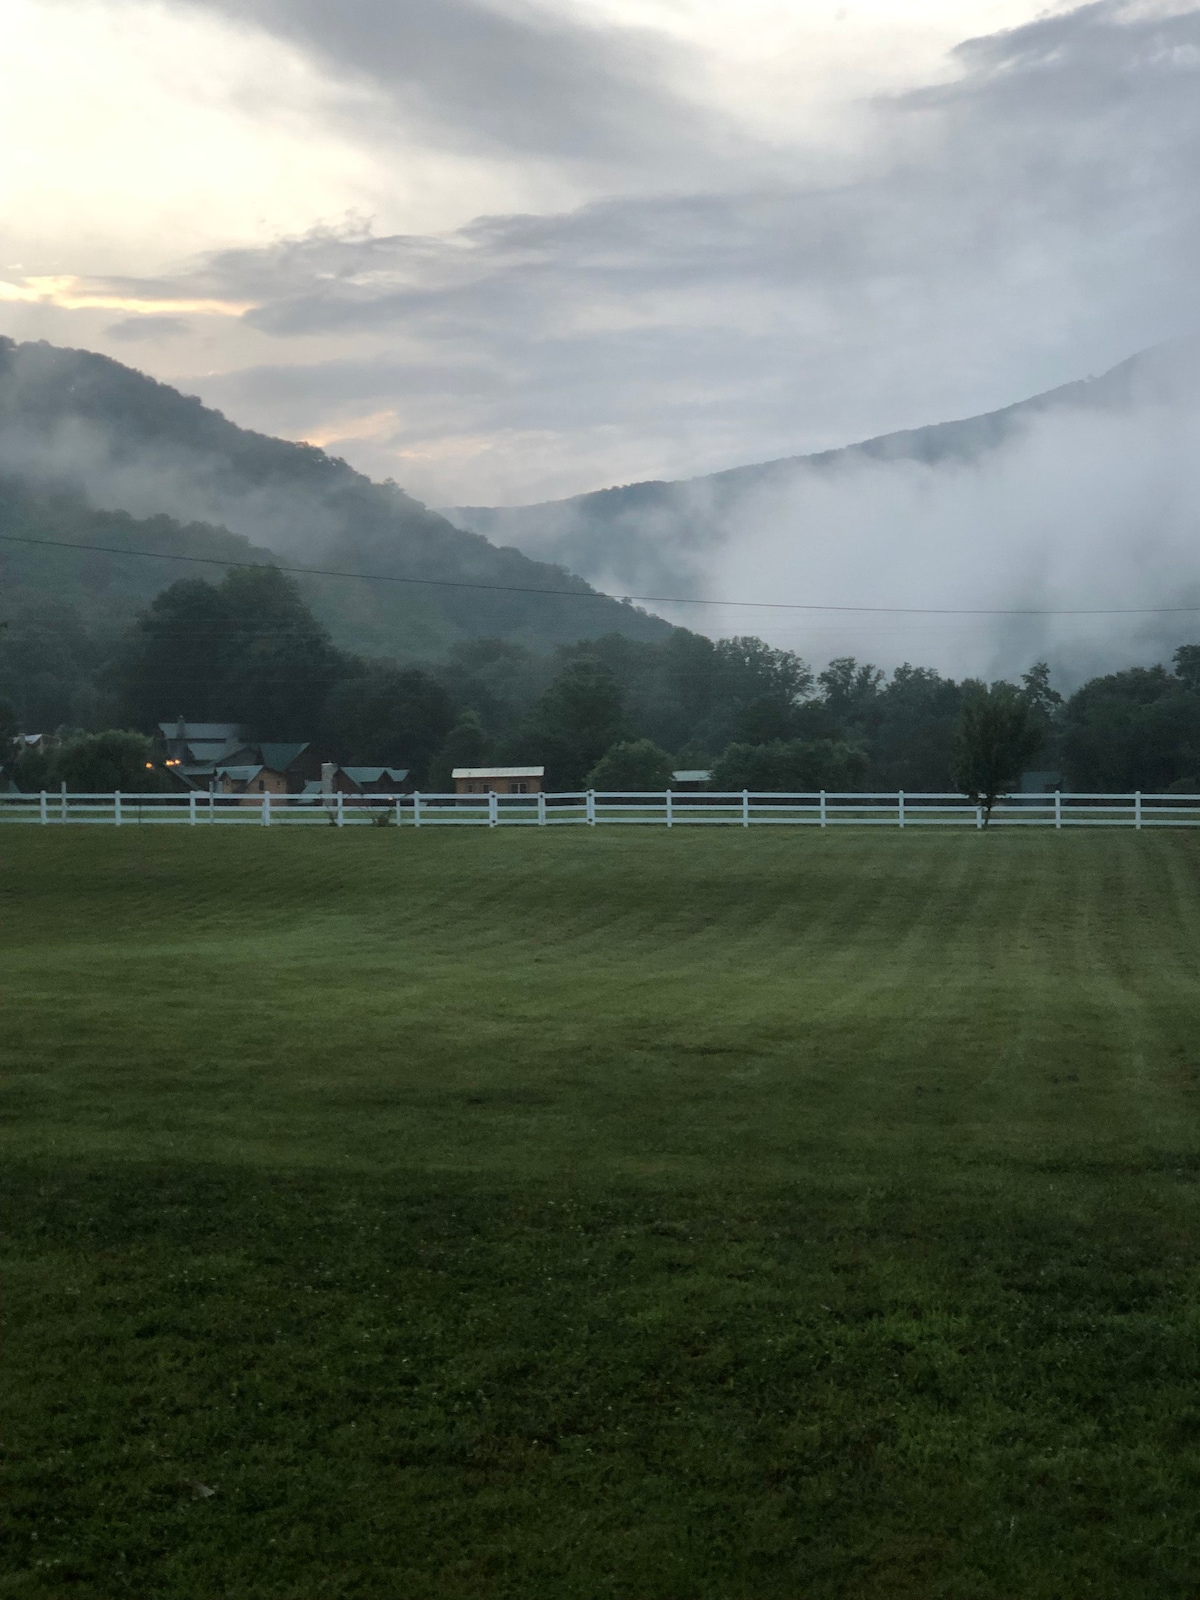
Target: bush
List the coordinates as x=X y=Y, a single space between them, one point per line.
x=93 y=763
x=636 y=764
x=791 y=765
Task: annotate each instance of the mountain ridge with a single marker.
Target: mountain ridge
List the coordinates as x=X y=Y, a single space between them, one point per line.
x=603 y=532
x=76 y=423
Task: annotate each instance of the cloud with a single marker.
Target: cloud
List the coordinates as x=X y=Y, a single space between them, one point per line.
x=1035 y=218
x=1030 y=217
x=518 y=79
x=135 y=330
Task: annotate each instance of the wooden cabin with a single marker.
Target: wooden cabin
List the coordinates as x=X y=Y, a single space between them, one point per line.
x=498 y=780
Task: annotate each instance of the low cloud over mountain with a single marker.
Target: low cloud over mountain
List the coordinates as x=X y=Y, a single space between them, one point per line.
x=1084 y=497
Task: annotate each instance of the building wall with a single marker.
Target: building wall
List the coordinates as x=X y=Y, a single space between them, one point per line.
x=272 y=783
x=482 y=786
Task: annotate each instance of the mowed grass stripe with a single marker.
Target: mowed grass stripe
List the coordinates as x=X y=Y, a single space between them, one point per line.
x=709 y=1214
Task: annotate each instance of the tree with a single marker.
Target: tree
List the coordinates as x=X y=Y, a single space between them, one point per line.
x=1137 y=729
x=9 y=731
x=638 y=765
x=97 y=763
x=466 y=745
x=574 y=723
x=1037 y=689
x=850 y=689
x=999 y=732
x=1187 y=666
x=388 y=715
x=912 y=730
x=795 y=766
x=246 y=650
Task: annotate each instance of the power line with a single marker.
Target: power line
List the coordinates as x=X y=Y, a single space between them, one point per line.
x=640 y=599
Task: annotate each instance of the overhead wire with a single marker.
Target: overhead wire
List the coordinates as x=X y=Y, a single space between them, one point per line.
x=625 y=599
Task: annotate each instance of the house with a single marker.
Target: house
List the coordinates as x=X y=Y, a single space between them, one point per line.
x=378 y=780
x=196 y=751
x=690 y=780
x=498 y=780
x=253 y=781
x=198 y=744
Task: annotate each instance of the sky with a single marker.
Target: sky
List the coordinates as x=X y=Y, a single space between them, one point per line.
x=505 y=251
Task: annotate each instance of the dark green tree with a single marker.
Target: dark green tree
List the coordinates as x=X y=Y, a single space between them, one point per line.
x=466 y=745
x=999 y=732
x=388 y=715
x=49 y=666
x=1187 y=666
x=574 y=723
x=637 y=765
x=912 y=730
x=97 y=763
x=1137 y=729
x=850 y=690
x=246 y=650
x=9 y=732
x=795 y=766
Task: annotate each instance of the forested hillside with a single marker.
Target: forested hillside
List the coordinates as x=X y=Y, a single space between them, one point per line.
x=611 y=712
x=81 y=433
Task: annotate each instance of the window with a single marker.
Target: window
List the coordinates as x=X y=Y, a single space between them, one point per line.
x=261 y=786
x=518 y=788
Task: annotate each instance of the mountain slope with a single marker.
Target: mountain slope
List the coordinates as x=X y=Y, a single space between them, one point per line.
x=76 y=423
x=658 y=537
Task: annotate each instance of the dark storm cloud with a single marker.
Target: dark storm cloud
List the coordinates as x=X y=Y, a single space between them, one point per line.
x=511 y=78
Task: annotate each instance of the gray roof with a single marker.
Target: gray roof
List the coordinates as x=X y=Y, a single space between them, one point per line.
x=498 y=772
x=213 y=749
x=240 y=774
x=176 y=728
x=375 y=774
x=691 y=775
x=280 y=756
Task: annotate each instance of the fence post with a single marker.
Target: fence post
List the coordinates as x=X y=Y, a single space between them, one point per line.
x=1137 y=809
x=822 y=808
x=266 y=809
x=192 y=807
x=42 y=817
x=397 y=810
x=541 y=809
x=670 y=811
x=1058 y=808
x=116 y=808
x=212 y=802
x=745 y=808
x=63 y=807
x=900 y=797
x=416 y=808
x=341 y=818
x=979 y=816
x=493 y=809
x=591 y=808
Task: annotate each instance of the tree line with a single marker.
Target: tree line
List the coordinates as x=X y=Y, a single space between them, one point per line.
x=616 y=712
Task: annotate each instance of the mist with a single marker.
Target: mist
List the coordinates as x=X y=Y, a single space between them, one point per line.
x=1084 y=500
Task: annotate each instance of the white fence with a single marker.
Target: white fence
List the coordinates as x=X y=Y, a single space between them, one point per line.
x=590 y=809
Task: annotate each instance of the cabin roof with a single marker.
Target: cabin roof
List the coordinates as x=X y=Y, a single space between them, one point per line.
x=498 y=772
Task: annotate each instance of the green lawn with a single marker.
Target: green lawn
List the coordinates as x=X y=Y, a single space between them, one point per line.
x=701 y=1215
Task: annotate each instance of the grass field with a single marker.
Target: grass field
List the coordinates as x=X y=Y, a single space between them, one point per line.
x=659 y=1216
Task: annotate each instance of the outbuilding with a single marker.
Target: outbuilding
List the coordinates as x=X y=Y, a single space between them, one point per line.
x=498 y=780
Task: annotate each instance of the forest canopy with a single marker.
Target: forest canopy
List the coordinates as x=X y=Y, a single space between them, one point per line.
x=249 y=650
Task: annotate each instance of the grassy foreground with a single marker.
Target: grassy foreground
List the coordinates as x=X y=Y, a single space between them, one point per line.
x=660 y=1216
